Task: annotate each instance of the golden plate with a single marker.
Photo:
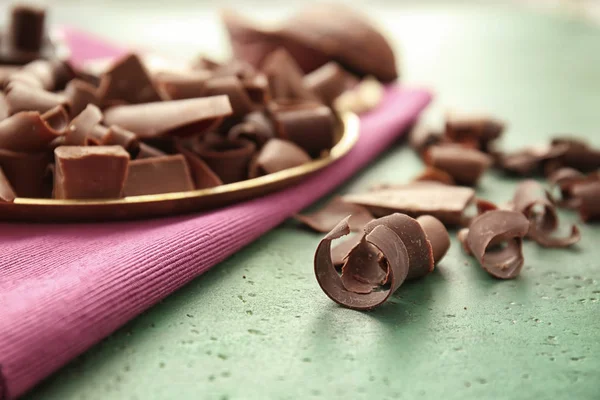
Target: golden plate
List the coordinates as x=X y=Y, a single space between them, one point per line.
x=50 y=210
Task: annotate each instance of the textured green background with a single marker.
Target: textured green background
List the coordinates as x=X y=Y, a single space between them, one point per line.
x=258 y=326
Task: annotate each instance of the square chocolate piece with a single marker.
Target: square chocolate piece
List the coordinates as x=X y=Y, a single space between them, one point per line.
x=157 y=175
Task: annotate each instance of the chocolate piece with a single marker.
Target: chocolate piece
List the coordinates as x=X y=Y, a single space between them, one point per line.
x=172 y=118
x=147 y=151
x=257 y=127
x=158 y=175
x=183 y=85
x=234 y=67
x=462 y=235
x=44 y=71
x=25 y=172
x=28 y=131
x=3 y=107
x=579 y=154
x=93 y=172
x=486 y=234
x=326 y=218
x=128 y=80
x=277 y=155
x=340 y=251
x=476 y=131
x=114 y=135
x=82 y=126
x=310 y=126
x=27 y=28
x=464 y=165
x=565 y=179
x=421 y=137
x=588 y=194
x=229 y=159
x=285 y=77
x=436 y=234
x=80 y=94
x=7 y=193
x=435 y=175
x=21 y=97
x=203 y=176
x=446 y=203
x=257 y=87
x=530 y=160
x=232 y=87
x=327 y=82
x=365 y=97
x=536 y=204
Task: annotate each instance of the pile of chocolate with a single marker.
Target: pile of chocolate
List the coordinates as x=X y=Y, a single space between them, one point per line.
x=388 y=245
x=130 y=130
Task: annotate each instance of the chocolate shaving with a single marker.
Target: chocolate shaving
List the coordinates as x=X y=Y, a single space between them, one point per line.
x=25 y=172
x=183 y=85
x=158 y=175
x=340 y=251
x=536 y=204
x=435 y=175
x=257 y=127
x=462 y=235
x=203 y=176
x=147 y=151
x=114 y=135
x=326 y=218
x=578 y=154
x=530 y=160
x=21 y=97
x=28 y=131
x=232 y=87
x=477 y=131
x=172 y=118
x=446 y=203
x=82 y=126
x=79 y=94
x=285 y=77
x=488 y=232
x=257 y=87
x=565 y=179
x=436 y=234
x=588 y=194
x=7 y=193
x=277 y=155
x=229 y=159
x=327 y=82
x=464 y=165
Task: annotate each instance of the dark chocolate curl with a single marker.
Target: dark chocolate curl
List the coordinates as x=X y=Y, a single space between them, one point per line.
x=327 y=82
x=27 y=28
x=588 y=194
x=462 y=235
x=28 y=131
x=232 y=87
x=326 y=218
x=80 y=94
x=530 y=160
x=436 y=234
x=7 y=193
x=170 y=118
x=312 y=127
x=476 y=131
x=365 y=269
x=183 y=85
x=82 y=126
x=489 y=230
x=394 y=255
x=21 y=97
x=204 y=177
x=285 y=77
x=228 y=159
x=277 y=155
x=565 y=179
x=25 y=172
x=579 y=154
x=340 y=251
x=464 y=165
x=158 y=175
x=257 y=127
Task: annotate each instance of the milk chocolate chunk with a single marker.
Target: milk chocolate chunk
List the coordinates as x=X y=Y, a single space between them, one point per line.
x=588 y=194
x=256 y=127
x=21 y=97
x=530 y=160
x=128 y=80
x=147 y=151
x=310 y=126
x=487 y=234
x=232 y=87
x=446 y=203
x=28 y=131
x=277 y=155
x=158 y=175
x=80 y=94
x=536 y=204
x=7 y=193
x=285 y=77
x=476 y=131
x=114 y=135
x=326 y=218
x=431 y=174
x=27 y=28
x=170 y=118
x=579 y=154
x=82 y=126
x=327 y=82
x=183 y=85
x=203 y=176
x=25 y=172
x=91 y=172
x=229 y=159
x=464 y=165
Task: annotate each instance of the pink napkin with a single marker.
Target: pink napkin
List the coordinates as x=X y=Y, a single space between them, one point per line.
x=65 y=287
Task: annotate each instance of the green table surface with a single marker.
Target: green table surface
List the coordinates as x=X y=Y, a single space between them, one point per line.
x=257 y=326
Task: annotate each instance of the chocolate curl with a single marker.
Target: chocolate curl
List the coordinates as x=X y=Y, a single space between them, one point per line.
x=588 y=194
x=536 y=204
x=21 y=97
x=530 y=160
x=203 y=176
x=80 y=94
x=27 y=28
x=233 y=89
x=565 y=179
x=7 y=193
x=431 y=174
x=579 y=154
x=82 y=125
x=285 y=77
x=437 y=235
x=25 y=172
x=476 y=131
x=158 y=175
x=327 y=82
x=422 y=137
x=114 y=135
x=183 y=85
x=310 y=126
x=256 y=127
x=30 y=132
x=170 y=118
x=488 y=231
x=465 y=165
x=277 y=155
x=228 y=159
x=257 y=88
x=147 y=151
x=326 y=218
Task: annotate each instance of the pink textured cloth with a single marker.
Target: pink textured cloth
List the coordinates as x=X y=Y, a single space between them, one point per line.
x=65 y=287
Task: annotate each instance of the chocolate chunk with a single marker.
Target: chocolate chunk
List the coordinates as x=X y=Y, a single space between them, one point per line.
x=82 y=126
x=327 y=82
x=310 y=126
x=93 y=172
x=27 y=28
x=229 y=159
x=157 y=175
x=579 y=154
x=588 y=194
x=25 y=172
x=436 y=234
x=28 y=131
x=536 y=204
x=147 y=151
x=80 y=94
x=183 y=85
x=203 y=176
x=277 y=155
x=7 y=193
x=257 y=87
x=114 y=135
x=172 y=118
x=488 y=232
x=256 y=127
x=476 y=131
x=285 y=77
x=128 y=80
x=234 y=67
x=432 y=174
x=464 y=165
x=232 y=87
x=21 y=97
x=446 y=203
x=530 y=160
x=326 y=218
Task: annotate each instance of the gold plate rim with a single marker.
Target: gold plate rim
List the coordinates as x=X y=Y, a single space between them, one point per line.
x=349 y=138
